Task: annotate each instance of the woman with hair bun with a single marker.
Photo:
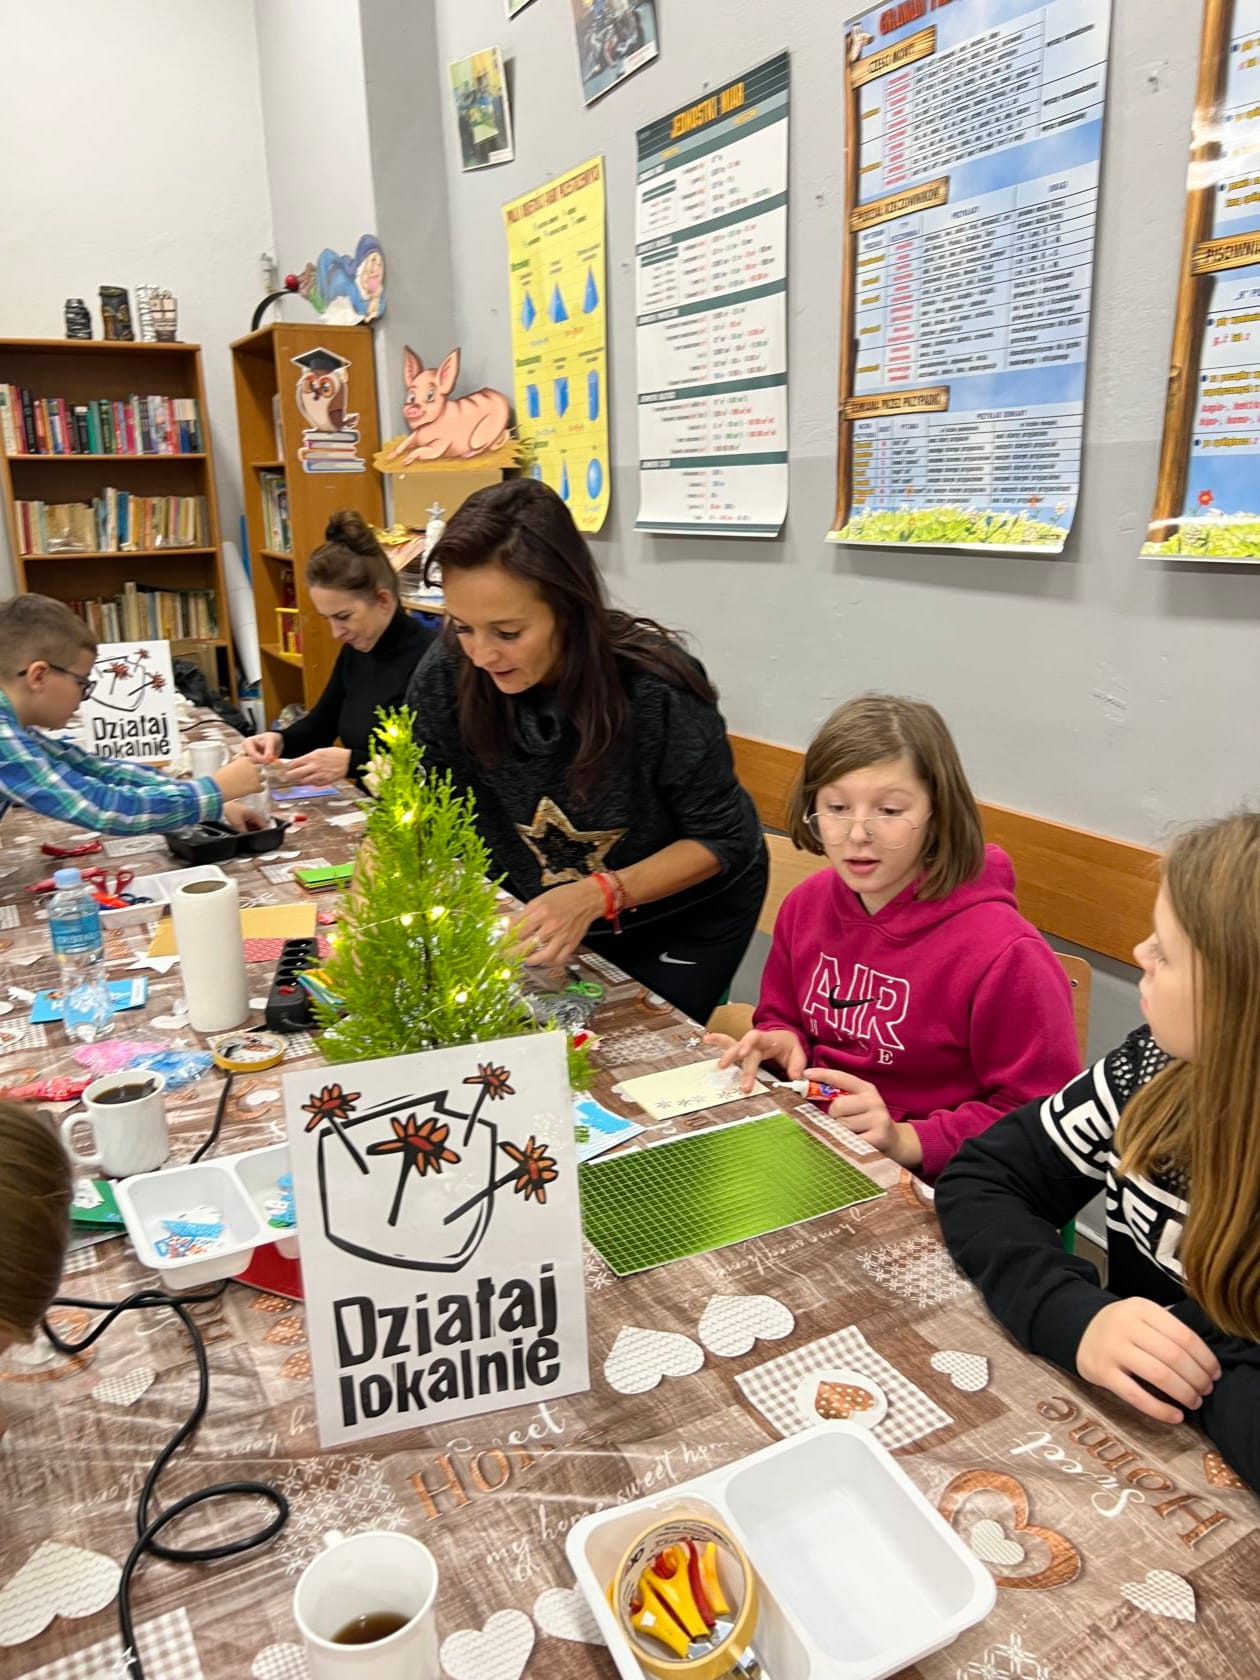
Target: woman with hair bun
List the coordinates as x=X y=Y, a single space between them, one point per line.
x=354 y=587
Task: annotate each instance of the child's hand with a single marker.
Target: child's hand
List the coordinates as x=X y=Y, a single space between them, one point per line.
x=1138 y=1339
x=756 y=1047
x=866 y=1114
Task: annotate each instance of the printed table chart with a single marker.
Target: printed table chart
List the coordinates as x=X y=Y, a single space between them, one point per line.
x=972 y=264
x=1084 y=1492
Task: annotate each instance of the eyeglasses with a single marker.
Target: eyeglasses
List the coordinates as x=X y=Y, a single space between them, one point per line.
x=86 y=684
x=892 y=831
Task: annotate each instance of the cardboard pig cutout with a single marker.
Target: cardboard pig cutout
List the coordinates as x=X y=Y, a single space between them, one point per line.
x=445 y=427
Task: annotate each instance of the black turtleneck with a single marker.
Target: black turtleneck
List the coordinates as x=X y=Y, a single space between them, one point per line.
x=359 y=684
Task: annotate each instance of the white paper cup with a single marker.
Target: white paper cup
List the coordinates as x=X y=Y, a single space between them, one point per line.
x=205 y=757
x=364 y=1575
x=129 y=1137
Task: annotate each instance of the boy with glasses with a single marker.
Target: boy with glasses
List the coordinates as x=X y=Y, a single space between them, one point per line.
x=46 y=657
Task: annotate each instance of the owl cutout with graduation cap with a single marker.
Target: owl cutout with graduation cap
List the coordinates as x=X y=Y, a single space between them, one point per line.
x=330 y=442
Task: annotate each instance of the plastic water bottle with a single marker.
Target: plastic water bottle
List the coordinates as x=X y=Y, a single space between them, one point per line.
x=74 y=920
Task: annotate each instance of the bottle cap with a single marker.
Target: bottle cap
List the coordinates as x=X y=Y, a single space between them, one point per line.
x=67 y=878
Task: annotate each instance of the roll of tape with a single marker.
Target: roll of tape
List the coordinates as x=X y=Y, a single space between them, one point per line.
x=676 y=1530
x=247 y=1052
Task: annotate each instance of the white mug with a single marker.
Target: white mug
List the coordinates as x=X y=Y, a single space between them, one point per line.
x=205 y=757
x=130 y=1137
x=363 y=1575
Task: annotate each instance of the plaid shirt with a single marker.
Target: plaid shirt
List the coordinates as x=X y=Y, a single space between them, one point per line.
x=60 y=780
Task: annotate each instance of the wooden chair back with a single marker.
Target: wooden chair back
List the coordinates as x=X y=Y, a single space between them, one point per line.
x=1081 y=979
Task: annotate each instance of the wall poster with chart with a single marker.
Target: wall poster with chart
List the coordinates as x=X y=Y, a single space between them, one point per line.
x=711 y=311
x=973 y=138
x=555 y=240
x=1207 y=498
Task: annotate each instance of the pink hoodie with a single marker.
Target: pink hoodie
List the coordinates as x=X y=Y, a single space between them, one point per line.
x=957 y=1010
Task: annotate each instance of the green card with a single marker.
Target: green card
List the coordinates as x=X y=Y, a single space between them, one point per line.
x=710 y=1189
x=94 y=1203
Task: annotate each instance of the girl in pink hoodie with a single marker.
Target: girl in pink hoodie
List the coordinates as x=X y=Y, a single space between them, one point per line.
x=904 y=978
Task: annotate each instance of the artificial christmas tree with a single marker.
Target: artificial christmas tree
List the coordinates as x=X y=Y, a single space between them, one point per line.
x=422 y=957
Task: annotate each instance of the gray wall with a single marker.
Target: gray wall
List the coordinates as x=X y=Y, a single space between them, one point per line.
x=1091 y=688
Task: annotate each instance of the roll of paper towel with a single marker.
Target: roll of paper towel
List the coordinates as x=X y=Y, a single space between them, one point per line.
x=207 y=917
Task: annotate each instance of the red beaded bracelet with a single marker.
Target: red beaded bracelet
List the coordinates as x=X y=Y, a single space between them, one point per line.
x=612 y=907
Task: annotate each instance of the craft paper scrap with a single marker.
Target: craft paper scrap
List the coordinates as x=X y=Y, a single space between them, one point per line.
x=123 y=994
x=598 y=1129
x=685 y=1090
x=263 y=921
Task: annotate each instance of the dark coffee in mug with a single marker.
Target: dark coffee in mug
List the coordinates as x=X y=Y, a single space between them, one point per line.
x=366 y=1630
x=126 y=1093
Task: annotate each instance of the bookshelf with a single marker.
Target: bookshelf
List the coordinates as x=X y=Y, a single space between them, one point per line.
x=264 y=368
x=83 y=374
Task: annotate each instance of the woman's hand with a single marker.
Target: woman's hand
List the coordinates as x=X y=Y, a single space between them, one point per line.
x=552 y=926
x=265 y=748
x=1136 y=1339
x=781 y=1047
x=865 y=1113
x=320 y=768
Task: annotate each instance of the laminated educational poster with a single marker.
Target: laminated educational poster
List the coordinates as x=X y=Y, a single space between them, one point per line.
x=973 y=138
x=711 y=311
x=555 y=239
x=1207 y=498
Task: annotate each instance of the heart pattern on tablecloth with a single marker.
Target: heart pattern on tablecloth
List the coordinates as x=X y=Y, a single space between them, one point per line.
x=499 y=1651
x=639 y=1359
x=287 y=1332
x=969 y=1372
x=1063 y=1560
x=732 y=1325
x=564 y=1613
x=1161 y=1593
x=297 y=1367
x=991 y=1544
x=56 y=1580
x=124 y=1388
x=281 y=1662
x=1219 y=1473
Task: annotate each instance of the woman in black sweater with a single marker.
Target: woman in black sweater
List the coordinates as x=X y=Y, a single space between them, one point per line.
x=354 y=587
x=592 y=741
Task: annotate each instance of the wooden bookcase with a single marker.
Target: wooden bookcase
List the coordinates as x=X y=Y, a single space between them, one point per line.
x=79 y=371
x=265 y=367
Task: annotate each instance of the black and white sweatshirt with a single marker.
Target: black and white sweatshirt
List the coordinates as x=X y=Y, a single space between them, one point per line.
x=1006 y=1195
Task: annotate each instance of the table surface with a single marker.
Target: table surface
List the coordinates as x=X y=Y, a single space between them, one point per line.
x=1086 y=1493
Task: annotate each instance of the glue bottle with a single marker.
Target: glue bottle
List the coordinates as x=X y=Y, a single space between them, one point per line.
x=74 y=921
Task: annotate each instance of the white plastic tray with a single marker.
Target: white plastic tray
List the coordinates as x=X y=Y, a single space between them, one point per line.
x=860 y=1574
x=157 y=888
x=238 y=1185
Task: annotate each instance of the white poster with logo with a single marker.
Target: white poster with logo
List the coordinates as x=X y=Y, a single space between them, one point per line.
x=130 y=712
x=441 y=1234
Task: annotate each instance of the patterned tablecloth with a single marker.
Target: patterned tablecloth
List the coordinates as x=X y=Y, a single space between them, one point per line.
x=1122 y=1550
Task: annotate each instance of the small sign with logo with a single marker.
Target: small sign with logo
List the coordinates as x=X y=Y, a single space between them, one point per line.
x=441 y=1234
x=130 y=712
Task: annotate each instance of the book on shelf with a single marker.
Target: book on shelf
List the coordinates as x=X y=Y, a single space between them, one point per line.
x=35 y=425
x=141 y=613
x=115 y=521
x=277 y=531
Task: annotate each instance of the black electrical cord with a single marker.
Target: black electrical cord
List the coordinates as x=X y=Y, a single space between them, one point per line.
x=208 y=1145
x=149 y=1527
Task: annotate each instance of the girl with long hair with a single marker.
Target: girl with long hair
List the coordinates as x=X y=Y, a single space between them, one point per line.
x=1169 y=1126
x=594 y=746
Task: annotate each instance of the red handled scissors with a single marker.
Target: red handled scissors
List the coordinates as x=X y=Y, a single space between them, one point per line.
x=116 y=897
